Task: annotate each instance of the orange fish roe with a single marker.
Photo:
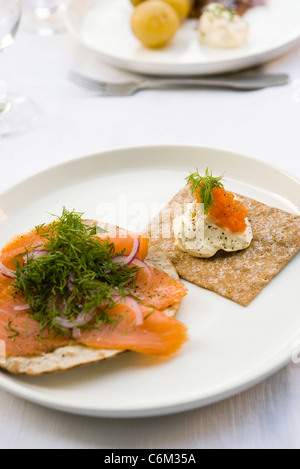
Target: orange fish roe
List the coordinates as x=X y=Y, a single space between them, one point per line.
x=228 y=211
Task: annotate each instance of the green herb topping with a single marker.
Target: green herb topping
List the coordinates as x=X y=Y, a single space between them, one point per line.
x=219 y=11
x=10 y=329
x=75 y=274
x=202 y=186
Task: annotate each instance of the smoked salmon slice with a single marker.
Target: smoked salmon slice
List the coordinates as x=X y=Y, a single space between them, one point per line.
x=157 y=335
x=20 y=333
x=123 y=240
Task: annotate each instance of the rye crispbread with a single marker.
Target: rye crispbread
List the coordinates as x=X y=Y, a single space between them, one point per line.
x=238 y=276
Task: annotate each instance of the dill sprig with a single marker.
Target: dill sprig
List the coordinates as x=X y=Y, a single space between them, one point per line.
x=202 y=186
x=10 y=329
x=219 y=10
x=75 y=274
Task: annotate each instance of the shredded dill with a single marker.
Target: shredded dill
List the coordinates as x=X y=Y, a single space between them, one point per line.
x=39 y=227
x=203 y=186
x=74 y=274
x=10 y=329
x=219 y=10
x=153 y=308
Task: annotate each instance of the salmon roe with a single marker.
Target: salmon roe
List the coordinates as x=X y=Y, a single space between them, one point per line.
x=229 y=212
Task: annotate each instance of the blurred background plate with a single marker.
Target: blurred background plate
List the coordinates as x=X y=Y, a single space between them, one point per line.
x=104 y=27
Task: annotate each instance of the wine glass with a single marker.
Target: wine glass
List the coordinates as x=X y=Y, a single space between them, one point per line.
x=44 y=17
x=17 y=113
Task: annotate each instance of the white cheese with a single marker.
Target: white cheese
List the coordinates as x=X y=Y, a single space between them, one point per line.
x=196 y=234
x=219 y=27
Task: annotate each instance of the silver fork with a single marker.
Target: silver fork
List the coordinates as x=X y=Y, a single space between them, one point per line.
x=239 y=81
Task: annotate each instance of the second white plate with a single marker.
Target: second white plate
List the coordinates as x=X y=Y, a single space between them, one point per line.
x=104 y=27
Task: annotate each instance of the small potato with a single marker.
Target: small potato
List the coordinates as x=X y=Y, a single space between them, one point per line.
x=182 y=7
x=135 y=3
x=154 y=23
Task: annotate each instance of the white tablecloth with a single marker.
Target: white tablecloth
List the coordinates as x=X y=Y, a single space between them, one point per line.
x=73 y=123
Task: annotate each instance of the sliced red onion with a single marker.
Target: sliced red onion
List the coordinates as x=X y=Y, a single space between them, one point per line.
x=255 y=3
x=69 y=281
x=69 y=285
x=143 y=265
x=132 y=259
x=84 y=318
x=63 y=322
x=81 y=320
x=25 y=307
x=7 y=272
x=76 y=334
x=133 y=305
x=128 y=259
x=10 y=273
x=35 y=254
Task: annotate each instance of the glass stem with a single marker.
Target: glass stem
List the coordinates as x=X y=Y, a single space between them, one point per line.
x=42 y=9
x=3 y=96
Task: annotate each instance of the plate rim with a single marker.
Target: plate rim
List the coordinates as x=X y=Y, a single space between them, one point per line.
x=151 y=146
x=36 y=397
x=277 y=361
x=219 y=66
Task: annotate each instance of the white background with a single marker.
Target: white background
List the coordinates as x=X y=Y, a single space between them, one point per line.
x=73 y=123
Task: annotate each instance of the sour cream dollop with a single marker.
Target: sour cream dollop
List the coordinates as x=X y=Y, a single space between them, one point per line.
x=197 y=234
x=222 y=28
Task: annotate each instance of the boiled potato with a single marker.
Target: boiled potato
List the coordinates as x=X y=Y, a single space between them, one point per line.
x=135 y=3
x=154 y=23
x=182 y=7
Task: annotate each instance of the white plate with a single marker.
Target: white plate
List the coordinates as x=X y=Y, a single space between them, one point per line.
x=230 y=347
x=104 y=27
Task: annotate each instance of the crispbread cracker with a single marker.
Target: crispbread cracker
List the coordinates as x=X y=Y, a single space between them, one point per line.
x=238 y=276
x=71 y=356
